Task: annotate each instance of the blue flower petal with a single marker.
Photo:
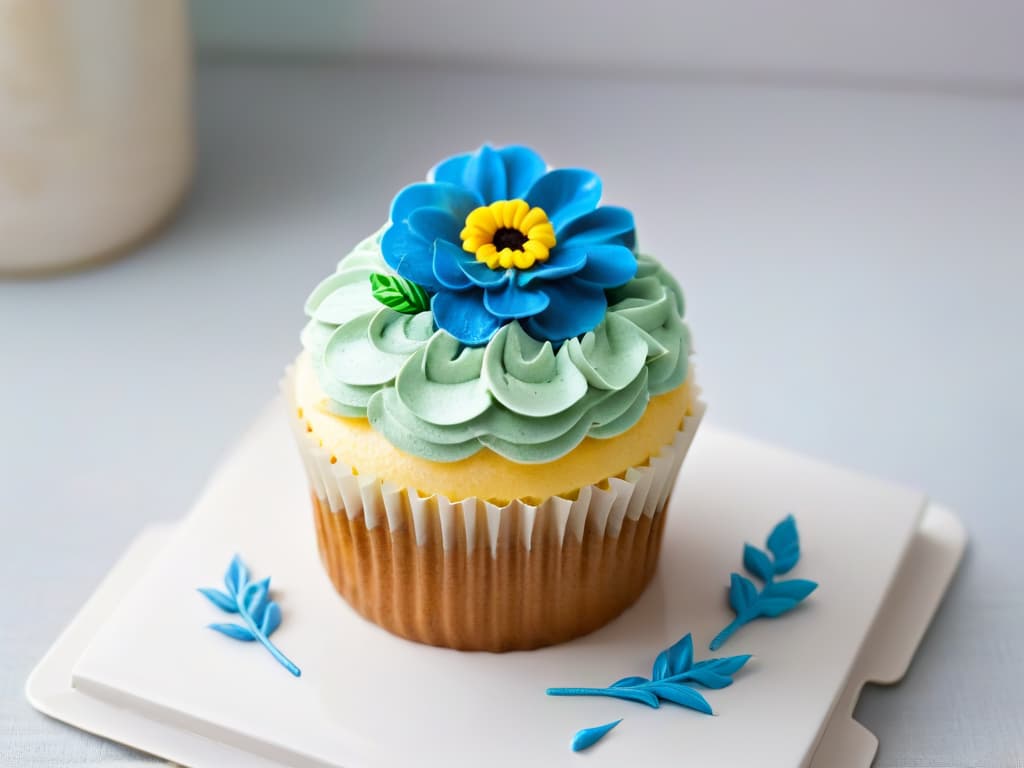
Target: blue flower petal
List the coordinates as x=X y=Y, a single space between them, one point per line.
x=409 y=255
x=447 y=258
x=482 y=275
x=576 y=307
x=607 y=224
x=608 y=265
x=565 y=194
x=561 y=263
x=463 y=316
x=449 y=170
x=434 y=223
x=457 y=200
x=523 y=167
x=485 y=174
x=510 y=301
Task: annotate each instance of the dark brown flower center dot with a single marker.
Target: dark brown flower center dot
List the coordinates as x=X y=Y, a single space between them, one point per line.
x=506 y=237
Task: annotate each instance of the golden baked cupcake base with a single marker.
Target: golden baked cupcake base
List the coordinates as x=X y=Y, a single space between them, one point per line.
x=516 y=600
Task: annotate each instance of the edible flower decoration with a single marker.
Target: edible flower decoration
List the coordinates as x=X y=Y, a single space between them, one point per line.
x=496 y=237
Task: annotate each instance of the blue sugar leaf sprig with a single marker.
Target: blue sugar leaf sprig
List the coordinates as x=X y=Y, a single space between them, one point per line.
x=588 y=737
x=777 y=597
x=251 y=601
x=672 y=668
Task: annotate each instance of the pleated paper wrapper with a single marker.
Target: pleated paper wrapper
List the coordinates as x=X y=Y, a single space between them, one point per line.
x=474 y=575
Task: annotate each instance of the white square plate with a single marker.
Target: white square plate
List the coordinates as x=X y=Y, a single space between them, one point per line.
x=149 y=674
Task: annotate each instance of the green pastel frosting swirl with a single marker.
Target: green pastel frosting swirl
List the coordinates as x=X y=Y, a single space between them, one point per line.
x=433 y=397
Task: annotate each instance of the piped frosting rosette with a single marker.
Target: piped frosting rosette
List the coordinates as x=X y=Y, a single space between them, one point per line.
x=434 y=397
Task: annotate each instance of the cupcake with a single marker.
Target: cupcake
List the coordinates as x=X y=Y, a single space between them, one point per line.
x=492 y=405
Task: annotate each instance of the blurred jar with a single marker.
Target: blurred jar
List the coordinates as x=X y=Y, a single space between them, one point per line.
x=96 y=145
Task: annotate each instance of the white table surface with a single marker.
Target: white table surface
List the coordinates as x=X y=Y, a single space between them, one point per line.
x=854 y=266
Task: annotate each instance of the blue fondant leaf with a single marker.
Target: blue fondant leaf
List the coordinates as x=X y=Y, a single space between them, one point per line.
x=234 y=631
x=271 y=619
x=633 y=694
x=256 y=599
x=682 y=695
x=708 y=677
x=588 y=737
x=218 y=598
x=776 y=598
x=251 y=601
x=236 y=577
x=758 y=563
x=629 y=681
x=794 y=589
x=660 y=670
x=784 y=544
x=716 y=673
x=775 y=606
x=727 y=665
x=674 y=660
x=742 y=594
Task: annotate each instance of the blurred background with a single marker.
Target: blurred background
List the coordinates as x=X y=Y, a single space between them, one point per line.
x=838 y=186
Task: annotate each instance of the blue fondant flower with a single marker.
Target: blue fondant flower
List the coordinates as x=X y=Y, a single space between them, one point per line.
x=497 y=237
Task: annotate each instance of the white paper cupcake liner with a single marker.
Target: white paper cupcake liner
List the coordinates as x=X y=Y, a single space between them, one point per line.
x=468 y=523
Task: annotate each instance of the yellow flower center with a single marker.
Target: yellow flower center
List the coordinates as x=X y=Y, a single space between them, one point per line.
x=508 y=233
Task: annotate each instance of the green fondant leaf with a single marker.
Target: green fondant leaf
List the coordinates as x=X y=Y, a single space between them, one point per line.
x=399 y=294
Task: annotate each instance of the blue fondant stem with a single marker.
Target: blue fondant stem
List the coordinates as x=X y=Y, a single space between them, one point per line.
x=578 y=692
x=726 y=633
x=615 y=693
x=274 y=650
